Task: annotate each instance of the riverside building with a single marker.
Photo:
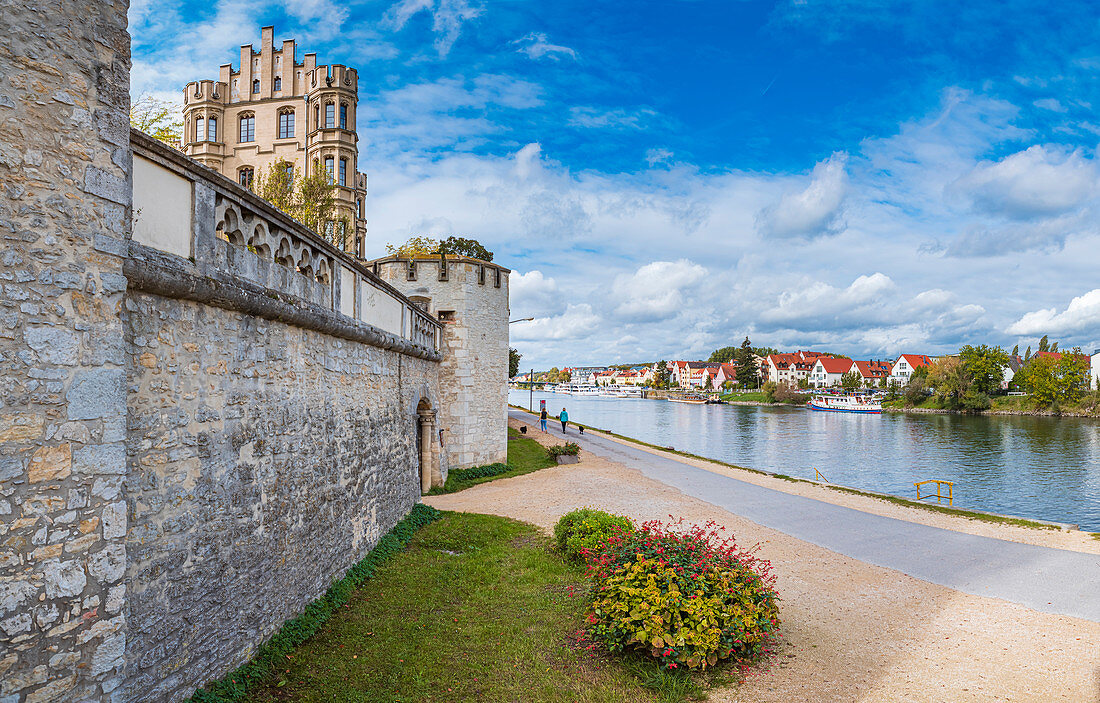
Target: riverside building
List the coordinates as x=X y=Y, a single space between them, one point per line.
x=274 y=109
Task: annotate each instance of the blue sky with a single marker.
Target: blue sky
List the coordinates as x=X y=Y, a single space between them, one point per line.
x=667 y=177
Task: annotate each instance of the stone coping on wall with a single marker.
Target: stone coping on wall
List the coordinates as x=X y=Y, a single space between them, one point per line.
x=152 y=271
x=221 y=237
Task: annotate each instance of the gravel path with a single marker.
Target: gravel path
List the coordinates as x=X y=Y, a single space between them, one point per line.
x=852 y=631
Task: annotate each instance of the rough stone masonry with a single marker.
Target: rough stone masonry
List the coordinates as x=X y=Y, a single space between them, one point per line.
x=178 y=476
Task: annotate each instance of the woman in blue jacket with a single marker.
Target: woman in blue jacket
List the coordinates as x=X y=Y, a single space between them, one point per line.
x=564 y=417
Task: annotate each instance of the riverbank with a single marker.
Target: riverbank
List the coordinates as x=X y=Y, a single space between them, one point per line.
x=851 y=630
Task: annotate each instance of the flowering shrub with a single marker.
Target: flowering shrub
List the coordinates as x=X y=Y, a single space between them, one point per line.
x=567 y=449
x=583 y=531
x=688 y=597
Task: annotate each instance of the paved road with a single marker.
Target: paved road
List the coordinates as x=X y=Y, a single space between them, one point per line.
x=1048 y=580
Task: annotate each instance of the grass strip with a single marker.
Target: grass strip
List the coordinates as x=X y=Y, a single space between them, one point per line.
x=898 y=500
x=524 y=456
x=296 y=631
x=477 y=608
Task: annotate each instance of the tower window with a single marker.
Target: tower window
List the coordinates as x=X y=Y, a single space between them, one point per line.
x=286 y=124
x=278 y=83
x=343 y=115
x=330 y=166
x=330 y=115
x=244 y=177
x=343 y=172
x=200 y=128
x=212 y=129
x=248 y=128
x=360 y=206
x=255 y=85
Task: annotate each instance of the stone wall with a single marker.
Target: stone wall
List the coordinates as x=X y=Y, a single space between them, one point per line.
x=265 y=459
x=471 y=300
x=64 y=211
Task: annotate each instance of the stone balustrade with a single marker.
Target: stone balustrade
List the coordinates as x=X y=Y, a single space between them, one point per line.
x=199 y=235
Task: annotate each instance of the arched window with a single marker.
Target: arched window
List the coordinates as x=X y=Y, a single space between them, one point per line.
x=248 y=127
x=330 y=115
x=244 y=177
x=200 y=129
x=255 y=85
x=316 y=115
x=278 y=83
x=330 y=169
x=212 y=129
x=286 y=124
x=343 y=115
x=343 y=172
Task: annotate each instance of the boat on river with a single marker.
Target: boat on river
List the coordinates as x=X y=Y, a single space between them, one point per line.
x=616 y=390
x=579 y=389
x=693 y=398
x=845 y=404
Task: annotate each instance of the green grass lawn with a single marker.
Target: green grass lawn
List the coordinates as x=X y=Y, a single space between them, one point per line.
x=750 y=396
x=476 y=609
x=524 y=456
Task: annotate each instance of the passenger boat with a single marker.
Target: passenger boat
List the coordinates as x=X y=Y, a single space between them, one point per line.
x=845 y=404
x=616 y=390
x=579 y=389
x=692 y=398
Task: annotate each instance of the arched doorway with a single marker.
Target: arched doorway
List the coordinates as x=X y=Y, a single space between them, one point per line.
x=425 y=433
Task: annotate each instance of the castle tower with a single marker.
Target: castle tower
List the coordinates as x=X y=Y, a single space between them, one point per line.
x=470 y=298
x=274 y=109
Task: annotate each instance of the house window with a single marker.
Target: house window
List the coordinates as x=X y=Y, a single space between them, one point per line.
x=343 y=115
x=278 y=83
x=212 y=129
x=244 y=177
x=481 y=275
x=329 y=228
x=343 y=172
x=200 y=128
x=496 y=284
x=410 y=272
x=330 y=165
x=248 y=128
x=286 y=124
x=330 y=115
x=289 y=170
x=316 y=116
x=256 y=85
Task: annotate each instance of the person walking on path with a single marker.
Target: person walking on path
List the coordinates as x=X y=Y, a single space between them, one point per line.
x=543 y=417
x=564 y=417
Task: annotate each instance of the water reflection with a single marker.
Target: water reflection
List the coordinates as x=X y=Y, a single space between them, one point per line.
x=1040 y=467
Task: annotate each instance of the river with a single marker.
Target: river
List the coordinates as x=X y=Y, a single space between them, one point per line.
x=1035 y=467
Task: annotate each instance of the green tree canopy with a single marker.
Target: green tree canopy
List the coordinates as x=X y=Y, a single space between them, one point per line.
x=747 y=372
x=1044 y=344
x=427 y=246
x=309 y=199
x=951 y=381
x=459 y=246
x=157 y=118
x=1051 y=380
x=723 y=355
x=985 y=365
x=513 y=362
x=851 y=380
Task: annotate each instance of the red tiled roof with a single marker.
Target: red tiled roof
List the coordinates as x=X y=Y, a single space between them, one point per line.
x=873 y=369
x=916 y=360
x=833 y=365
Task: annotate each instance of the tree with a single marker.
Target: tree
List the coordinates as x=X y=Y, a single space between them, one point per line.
x=723 y=355
x=1027 y=354
x=513 y=362
x=985 y=365
x=1055 y=381
x=662 y=375
x=951 y=381
x=459 y=246
x=309 y=199
x=157 y=118
x=747 y=373
x=1044 y=345
x=916 y=390
x=851 y=381
x=1054 y=348
x=419 y=246
x=1016 y=351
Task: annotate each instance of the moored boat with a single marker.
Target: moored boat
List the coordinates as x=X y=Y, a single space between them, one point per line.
x=692 y=398
x=845 y=404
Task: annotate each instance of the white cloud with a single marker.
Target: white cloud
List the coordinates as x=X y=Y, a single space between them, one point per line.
x=1051 y=104
x=600 y=118
x=657 y=290
x=533 y=294
x=448 y=16
x=813 y=211
x=577 y=321
x=1082 y=315
x=1037 y=182
x=658 y=156
x=821 y=304
x=536 y=45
